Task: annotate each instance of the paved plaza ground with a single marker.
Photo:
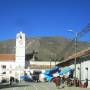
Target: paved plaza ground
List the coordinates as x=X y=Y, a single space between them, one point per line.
x=38 y=86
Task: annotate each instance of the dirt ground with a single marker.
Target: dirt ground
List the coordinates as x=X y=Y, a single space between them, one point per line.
x=38 y=86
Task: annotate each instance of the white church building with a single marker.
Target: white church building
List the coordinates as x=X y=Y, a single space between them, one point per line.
x=14 y=64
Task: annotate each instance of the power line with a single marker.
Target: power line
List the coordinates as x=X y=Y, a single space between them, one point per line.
x=70 y=46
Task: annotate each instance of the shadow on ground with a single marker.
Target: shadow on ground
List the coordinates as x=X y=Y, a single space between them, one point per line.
x=9 y=86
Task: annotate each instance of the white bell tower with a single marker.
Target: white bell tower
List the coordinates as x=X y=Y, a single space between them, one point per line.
x=20 y=49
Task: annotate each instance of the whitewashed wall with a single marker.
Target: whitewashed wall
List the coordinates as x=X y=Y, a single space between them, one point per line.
x=82 y=72
x=43 y=63
x=85 y=73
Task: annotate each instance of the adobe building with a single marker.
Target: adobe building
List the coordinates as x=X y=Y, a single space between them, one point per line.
x=82 y=64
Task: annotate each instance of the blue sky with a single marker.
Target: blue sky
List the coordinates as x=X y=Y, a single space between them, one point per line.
x=43 y=17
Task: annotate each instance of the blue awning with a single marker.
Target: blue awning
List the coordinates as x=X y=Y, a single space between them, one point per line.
x=65 y=70
x=53 y=70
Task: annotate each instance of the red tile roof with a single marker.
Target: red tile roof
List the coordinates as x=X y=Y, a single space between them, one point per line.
x=77 y=55
x=7 y=57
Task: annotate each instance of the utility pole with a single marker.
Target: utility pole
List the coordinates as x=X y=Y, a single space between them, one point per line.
x=75 y=61
x=75 y=53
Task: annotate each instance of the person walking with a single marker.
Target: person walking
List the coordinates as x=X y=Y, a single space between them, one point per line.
x=57 y=81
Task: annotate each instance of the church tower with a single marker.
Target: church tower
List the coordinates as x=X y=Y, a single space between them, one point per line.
x=20 y=50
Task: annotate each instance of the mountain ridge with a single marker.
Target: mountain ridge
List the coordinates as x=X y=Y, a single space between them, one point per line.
x=46 y=48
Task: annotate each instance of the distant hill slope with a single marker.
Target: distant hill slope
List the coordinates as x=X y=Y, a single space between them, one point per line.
x=46 y=47
x=7 y=46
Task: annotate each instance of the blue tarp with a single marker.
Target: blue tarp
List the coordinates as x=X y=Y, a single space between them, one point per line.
x=25 y=78
x=65 y=70
x=53 y=70
x=49 y=73
x=48 y=78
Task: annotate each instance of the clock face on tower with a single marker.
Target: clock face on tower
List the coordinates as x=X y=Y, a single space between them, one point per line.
x=20 y=41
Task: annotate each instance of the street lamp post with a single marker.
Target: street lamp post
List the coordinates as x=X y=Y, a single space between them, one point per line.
x=75 y=61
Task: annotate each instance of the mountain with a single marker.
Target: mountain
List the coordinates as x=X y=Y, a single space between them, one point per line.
x=46 y=48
